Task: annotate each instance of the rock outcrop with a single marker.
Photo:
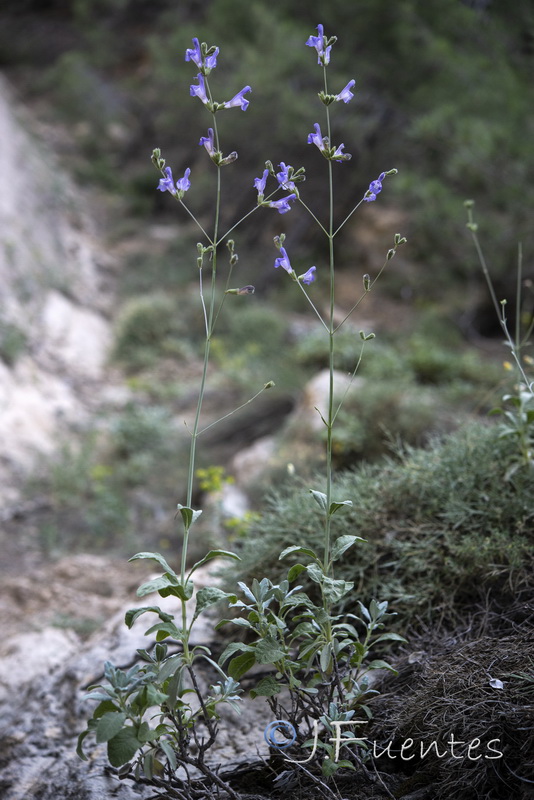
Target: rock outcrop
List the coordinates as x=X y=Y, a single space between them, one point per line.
x=54 y=297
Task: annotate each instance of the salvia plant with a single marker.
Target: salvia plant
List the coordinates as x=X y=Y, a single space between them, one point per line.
x=517 y=410
x=158 y=718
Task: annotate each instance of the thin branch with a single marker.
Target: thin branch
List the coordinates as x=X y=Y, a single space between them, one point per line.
x=230 y=413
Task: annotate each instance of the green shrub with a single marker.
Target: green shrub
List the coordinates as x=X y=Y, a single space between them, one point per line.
x=444 y=529
x=146 y=329
x=141 y=429
x=383 y=412
x=248 y=345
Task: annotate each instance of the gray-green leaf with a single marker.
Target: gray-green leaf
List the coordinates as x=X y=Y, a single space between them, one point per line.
x=320 y=498
x=154 y=557
x=214 y=554
x=342 y=544
x=208 y=596
x=169 y=752
x=189 y=515
x=337 y=505
x=295 y=548
x=133 y=613
x=123 y=747
x=109 y=725
x=268 y=651
x=162 y=582
x=241 y=664
x=267 y=687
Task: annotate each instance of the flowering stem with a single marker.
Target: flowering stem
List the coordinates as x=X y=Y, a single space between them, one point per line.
x=310 y=212
x=499 y=307
x=356 y=207
x=331 y=332
x=250 y=400
x=357 y=303
x=209 y=321
x=351 y=381
x=195 y=220
x=308 y=298
x=229 y=231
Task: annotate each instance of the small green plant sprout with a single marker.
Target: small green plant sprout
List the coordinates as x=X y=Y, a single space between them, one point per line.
x=518 y=408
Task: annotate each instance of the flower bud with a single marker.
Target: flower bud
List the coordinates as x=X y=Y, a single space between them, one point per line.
x=366 y=337
x=327 y=99
x=157 y=160
x=367 y=282
x=390 y=255
x=243 y=290
x=229 y=159
x=269 y=385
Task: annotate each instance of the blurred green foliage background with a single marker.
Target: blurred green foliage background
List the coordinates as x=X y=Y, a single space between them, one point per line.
x=444 y=92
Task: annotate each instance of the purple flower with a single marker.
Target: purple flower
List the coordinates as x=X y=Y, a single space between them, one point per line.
x=260 y=183
x=283 y=177
x=284 y=262
x=211 y=60
x=194 y=54
x=282 y=205
x=200 y=90
x=375 y=187
x=184 y=183
x=319 y=42
x=208 y=142
x=346 y=94
x=308 y=276
x=239 y=100
x=339 y=155
x=317 y=138
x=167 y=184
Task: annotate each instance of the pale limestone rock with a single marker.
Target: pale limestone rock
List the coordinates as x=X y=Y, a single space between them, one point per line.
x=52 y=291
x=315 y=400
x=78 y=337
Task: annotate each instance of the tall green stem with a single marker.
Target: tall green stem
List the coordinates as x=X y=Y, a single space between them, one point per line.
x=330 y=417
x=209 y=320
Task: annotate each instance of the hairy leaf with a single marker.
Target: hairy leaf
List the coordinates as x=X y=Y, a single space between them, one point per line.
x=267 y=687
x=342 y=544
x=239 y=665
x=134 y=613
x=208 y=596
x=123 y=747
x=109 y=725
x=154 y=557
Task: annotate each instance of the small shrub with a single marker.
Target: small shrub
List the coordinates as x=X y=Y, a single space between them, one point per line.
x=381 y=413
x=145 y=328
x=444 y=529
